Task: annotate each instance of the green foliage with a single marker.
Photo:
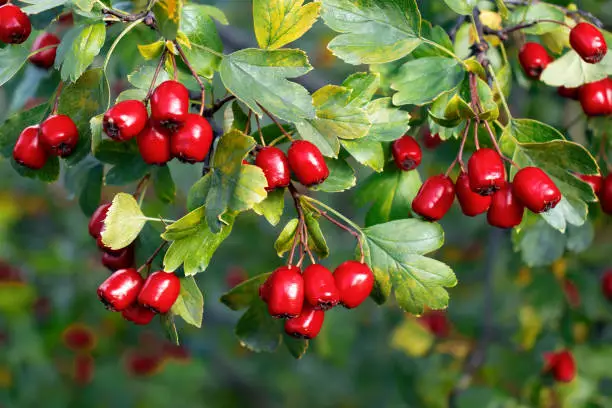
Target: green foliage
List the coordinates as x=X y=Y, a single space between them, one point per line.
x=13 y=59
x=123 y=222
x=190 y=303
x=168 y=16
x=198 y=26
x=279 y=22
x=78 y=49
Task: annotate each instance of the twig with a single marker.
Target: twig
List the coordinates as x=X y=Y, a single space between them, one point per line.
x=194 y=74
x=58 y=93
x=479 y=49
x=143 y=181
x=248 y=124
x=209 y=112
x=466 y=131
x=282 y=129
x=152 y=257
x=295 y=195
x=496 y=145
x=261 y=136
x=160 y=64
x=453 y=31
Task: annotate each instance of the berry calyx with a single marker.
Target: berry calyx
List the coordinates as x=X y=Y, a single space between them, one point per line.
x=320 y=287
x=435 y=198
x=154 y=146
x=535 y=189
x=307 y=163
x=59 y=135
x=160 y=291
x=28 y=150
x=571 y=93
x=275 y=166
x=561 y=365
x=125 y=120
x=169 y=105
x=15 y=25
x=122 y=259
x=605 y=194
x=307 y=325
x=486 y=172
x=44 y=59
x=596 y=98
x=588 y=42
x=407 y=153
x=471 y=203
x=138 y=314
x=354 y=281
x=506 y=209
x=191 y=143
x=120 y=289
x=594 y=181
x=606 y=284
x=96 y=222
x=534 y=59
x=283 y=291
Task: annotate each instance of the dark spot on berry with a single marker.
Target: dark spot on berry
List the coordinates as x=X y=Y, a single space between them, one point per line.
x=408 y=164
x=171 y=125
x=112 y=130
x=487 y=191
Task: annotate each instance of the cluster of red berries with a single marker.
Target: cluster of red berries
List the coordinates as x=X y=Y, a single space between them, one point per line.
x=303 y=298
x=560 y=365
x=602 y=187
x=170 y=131
x=112 y=259
x=590 y=44
x=15 y=26
x=55 y=136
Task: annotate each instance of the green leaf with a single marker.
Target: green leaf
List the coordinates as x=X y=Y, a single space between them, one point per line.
x=168 y=17
x=463 y=7
x=198 y=26
x=152 y=50
x=297 y=347
x=421 y=81
x=363 y=85
x=13 y=57
x=39 y=6
x=167 y=322
x=190 y=302
x=539 y=243
x=127 y=171
x=490 y=110
x=445 y=110
x=367 y=152
x=165 y=189
x=373 y=31
x=388 y=122
x=341 y=177
x=316 y=239
x=279 y=22
x=95 y=127
x=272 y=207
x=78 y=50
x=91 y=191
x=85 y=5
x=534 y=12
x=572 y=71
x=123 y=222
x=48 y=174
x=142 y=77
x=257 y=330
x=580 y=238
x=395 y=252
x=260 y=76
x=235 y=118
x=243 y=295
x=285 y=239
x=14 y=125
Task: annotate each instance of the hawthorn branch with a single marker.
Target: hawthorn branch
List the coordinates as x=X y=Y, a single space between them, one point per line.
x=219 y=103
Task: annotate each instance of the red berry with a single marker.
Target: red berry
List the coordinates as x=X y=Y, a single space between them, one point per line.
x=169 y=105
x=283 y=291
x=78 y=337
x=160 y=291
x=605 y=194
x=535 y=189
x=44 y=59
x=28 y=150
x=191 y=143
x=561 y=365
x=471 y=203
x=138 y=314
x=96 y=222
x=307 y=325
x=59 y=135
x=122 y=259
x=320 y=287
x=354 y=281
x=83 y=370
x=15 y=25
x=275 y=166
x=506 y=210
x=107 y=249
x=307 y=163
x=534 y=58
x=173 y=352
x=125 y=120
x=436 y=322
x=435 y=198
x=594 y=181
x=406 y=153
x=596 y=98
x=486 y=172
x=66 y=19
x=431 y=140
x=571 y=93
x=120 y=289
x=154 y=146
x=588 y=42
x=572 y=294
x=606 y=284
x=140 y=364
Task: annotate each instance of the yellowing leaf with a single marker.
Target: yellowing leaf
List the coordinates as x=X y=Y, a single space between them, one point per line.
x=183 y=39
x=279 y=22
x=412 y=338
x=123 y=223
x=151 y=51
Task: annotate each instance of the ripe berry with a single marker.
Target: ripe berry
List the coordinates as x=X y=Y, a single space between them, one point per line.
x=596 y=98
x=561 y=365
x=122 y=259
x=96 y=222
x=307 y=325
x=535 y=189
x=44 y=59
x=169 y=105
x=307 y=163
x=486 y=172
x=434 y=198
x=354 y=281
x=606 y=284
x=78 y=337
x=471 y=203
x=571 y=93
x=406 y=153
x=83 y=369
x=59 y=135
x=320 y=287
x=191 y=143
x=588 y=42
x=605 y=194
x=594 y=181
x=160 y=291
x=154 y=146
x=125 y=120
x=15 y=25
x=436 y=322
x=141 y=364
x=284 y=292
x=275 y=166
x=506 y=210
x=534 y=58
x=28 y=150
x=431 y=140
x=120 y=289
x=138 y=314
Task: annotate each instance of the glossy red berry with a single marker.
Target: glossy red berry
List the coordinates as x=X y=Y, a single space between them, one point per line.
x=436 y=322
x=154 y=146
x=125 y=120
x=138 y=314
x=535 y=189
x=275 y=166
x=506 y=210
x=191 y=143
x=160 y=291
x=307 y=163
x=283 y=291
x=406 y=153
x=561 y=365
x=169 y=105
x=44 y=59
x=570 y=93
x=435 y=198
x=59 y=135
x=122 y=259
x=96 y=222
x=431 y=140
x=593 y=181
x=307 y=325
x=534 y=58
x=354 y=281
x=588 y=42
x=320 y=288
x=606 y=284
x=28 y=150
x=486 y=172
x=15 y=25
x=120 y=289
x=471 y=203
x=605 y=194
x=596 y=98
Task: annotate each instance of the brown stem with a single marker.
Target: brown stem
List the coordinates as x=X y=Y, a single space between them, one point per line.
x=451 y=167
x=160 y=64
x=282 y=129
x=476 y=141
x=194 y=74
x=462 y=145
x=58 y=93
x=248 y=124
x=261 y=136
x=295 y=195
x=209 y=112
x=143 y=182
x=149 y=261
x=338 y=224
x=496 y=145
